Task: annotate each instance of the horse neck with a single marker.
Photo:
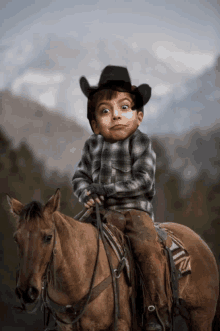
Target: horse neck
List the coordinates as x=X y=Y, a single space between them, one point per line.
x=76 y=250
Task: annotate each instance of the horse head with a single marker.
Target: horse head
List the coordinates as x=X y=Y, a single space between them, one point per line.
x=35 y=238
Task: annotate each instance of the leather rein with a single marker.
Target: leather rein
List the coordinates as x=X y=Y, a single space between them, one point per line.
x=78 y=309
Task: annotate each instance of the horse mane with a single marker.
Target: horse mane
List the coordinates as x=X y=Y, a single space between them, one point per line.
x=32 y=211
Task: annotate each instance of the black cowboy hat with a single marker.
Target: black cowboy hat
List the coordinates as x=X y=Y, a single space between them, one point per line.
x=113 y=77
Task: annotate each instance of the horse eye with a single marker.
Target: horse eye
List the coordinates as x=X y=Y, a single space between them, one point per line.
x=15 y=238
x=47 y=238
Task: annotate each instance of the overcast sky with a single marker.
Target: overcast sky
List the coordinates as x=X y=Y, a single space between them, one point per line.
x=47 y=45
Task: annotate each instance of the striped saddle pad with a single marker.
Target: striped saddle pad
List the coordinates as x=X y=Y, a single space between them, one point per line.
x=181 y=257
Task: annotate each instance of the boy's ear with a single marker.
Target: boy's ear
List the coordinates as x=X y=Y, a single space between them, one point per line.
x=140 y=117
x=95 y=127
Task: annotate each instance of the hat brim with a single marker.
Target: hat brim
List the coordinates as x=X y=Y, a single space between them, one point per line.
x=85 y=87
x=143 y=92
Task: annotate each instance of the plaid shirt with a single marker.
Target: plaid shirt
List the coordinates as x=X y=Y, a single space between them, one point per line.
x=126 y=168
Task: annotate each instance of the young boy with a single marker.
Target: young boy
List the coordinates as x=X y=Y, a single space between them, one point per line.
x=117 y=170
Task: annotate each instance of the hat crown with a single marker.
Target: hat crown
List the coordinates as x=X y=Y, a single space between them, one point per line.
x=114 y=73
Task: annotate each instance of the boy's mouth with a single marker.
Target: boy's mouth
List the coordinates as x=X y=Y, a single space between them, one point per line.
x=118 y=126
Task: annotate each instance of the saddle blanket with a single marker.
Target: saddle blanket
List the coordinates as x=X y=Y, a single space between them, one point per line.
x=180 y=255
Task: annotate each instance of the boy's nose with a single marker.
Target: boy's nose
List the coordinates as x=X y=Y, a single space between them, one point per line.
x=116 y=114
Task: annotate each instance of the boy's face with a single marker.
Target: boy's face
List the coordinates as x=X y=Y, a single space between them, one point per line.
x=115 y=119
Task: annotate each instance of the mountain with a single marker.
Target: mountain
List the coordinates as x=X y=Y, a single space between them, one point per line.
x=192 y=122
x=193 y=103
x=192 y=155
x=51 y=136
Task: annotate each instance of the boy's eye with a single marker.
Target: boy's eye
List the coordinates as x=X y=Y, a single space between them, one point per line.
x=105 y=111
x=125 y=107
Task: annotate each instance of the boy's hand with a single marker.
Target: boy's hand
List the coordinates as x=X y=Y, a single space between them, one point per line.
x=91 y=199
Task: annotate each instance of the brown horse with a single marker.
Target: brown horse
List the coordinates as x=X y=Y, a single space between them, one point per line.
x=72 y=268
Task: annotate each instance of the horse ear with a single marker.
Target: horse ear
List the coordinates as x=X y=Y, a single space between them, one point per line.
x=53 y=204
x=15 y=205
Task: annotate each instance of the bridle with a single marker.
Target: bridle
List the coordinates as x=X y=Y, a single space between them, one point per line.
x=44 y=281
x=81 y=306
x=46 y=301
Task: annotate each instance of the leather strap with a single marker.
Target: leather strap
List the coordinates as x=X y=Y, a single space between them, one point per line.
x=173 y=276
x=161 y=233
x=114 y=279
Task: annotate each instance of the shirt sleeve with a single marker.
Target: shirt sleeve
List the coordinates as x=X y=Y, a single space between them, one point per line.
x=82 y=177
x=143 y=172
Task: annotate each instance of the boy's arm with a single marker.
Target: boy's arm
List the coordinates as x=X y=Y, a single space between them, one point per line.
x=82 y=177
x=143 y=172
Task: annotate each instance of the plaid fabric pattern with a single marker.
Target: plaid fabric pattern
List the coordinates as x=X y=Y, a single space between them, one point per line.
x=126 y=168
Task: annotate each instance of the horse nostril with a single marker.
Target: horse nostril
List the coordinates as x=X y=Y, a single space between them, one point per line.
x=33 y=293
x=18 y=292
x=28 y=295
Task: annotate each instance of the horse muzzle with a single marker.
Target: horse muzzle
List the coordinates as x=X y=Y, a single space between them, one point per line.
x=28 y=295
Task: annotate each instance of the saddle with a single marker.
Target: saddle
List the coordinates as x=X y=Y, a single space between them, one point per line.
x=179 y=254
